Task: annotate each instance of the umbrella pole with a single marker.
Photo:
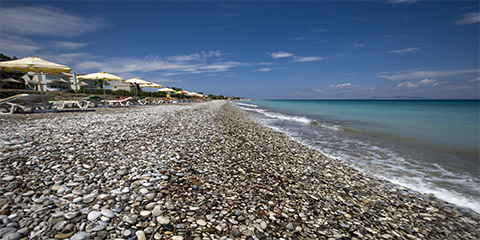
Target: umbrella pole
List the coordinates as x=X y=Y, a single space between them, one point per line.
x=104 y=96
x=41 y=89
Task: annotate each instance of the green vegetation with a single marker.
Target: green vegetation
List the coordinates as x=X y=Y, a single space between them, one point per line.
x=6 y=58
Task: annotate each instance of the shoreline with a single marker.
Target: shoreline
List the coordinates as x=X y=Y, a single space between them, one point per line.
x=194 y=171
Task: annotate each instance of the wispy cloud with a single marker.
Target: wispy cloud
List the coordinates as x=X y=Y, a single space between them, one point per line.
x=342 y=86
x=359 y=45
x=196 y=63
x=15 y=45
x=268 y=69
x=308 y=59
x=422 y=83
x=468 y=18
x=298 y=39
x=402 y=1
x=231 y=6
x=317 y=30
x=475 y=80
x=406 y=50
x=69 y=45
x=281 y=54
x=419 y=74
x=47 y=21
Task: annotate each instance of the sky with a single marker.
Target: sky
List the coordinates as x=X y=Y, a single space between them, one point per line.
x=260 y=49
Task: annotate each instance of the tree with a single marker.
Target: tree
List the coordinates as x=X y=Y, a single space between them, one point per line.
x=6 y=58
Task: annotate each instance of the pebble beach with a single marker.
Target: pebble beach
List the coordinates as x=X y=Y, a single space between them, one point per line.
x=195 y=171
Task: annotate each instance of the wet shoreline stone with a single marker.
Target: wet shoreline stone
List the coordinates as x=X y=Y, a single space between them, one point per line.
x=195 y=171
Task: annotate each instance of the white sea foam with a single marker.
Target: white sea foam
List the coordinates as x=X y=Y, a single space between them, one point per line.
x=382 y=163
x=245 y=104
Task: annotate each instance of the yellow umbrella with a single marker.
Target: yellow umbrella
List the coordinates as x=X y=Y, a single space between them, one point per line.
x=165 y=90
x=105 y=76
x=34 y=64
x=151 y=85
x=137 y=80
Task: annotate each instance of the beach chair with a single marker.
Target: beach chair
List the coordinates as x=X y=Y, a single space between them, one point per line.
x=123 y=102
x=23 y=103
x=91 y=101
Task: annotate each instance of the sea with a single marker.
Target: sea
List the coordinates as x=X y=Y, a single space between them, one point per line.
x=426 y=146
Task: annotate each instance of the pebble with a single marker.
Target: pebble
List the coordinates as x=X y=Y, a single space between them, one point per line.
x=195 y=171
x=108 y=213
x=93 y=215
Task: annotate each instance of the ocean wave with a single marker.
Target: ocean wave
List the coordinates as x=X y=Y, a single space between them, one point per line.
x=246 y=104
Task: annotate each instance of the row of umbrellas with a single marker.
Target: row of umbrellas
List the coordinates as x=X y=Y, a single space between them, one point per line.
x=35 y=64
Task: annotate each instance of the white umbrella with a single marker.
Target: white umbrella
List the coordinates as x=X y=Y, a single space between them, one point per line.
x=165 y=90
x=151 y=85
x=105 y=76
x=137 y=81
x=34 y=64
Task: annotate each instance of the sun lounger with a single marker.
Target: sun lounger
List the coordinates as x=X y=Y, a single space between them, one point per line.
x=123 y=102
x=24 y=103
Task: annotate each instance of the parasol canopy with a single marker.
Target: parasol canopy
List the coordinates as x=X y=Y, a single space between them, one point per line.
x=11 y=80
x=34 y=64
x=151 y=85
x=101 y=76
x=137 y=80
x=165 y=90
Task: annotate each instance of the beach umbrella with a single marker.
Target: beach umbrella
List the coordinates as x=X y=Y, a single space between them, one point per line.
x=10 y=80
x=105 y=76
x=83 y=84
x=34 y=64
x=181 y=92
x=165 y=90
x=137 y=81
x=151 y=85
x=60 y=80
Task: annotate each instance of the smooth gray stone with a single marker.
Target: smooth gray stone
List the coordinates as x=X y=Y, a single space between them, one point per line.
x=6 y=230
x=80 y=236
x=12 y=236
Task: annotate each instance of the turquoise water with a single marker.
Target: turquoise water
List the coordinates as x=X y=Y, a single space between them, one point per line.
x=427 y=146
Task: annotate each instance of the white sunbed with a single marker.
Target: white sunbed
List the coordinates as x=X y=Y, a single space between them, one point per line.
x=24 y=103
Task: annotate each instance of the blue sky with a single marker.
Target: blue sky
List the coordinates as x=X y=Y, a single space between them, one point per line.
x=260 y=50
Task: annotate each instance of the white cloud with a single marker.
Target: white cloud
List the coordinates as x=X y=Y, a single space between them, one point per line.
x=196 y=56
x=475 y=80
x=468 y=18
x=14 y=45
x=418 y=74
x=194 y=63
x=402 y=1
x=422 y=83
x=342 y=86
x=298 y=39
x=230 y=6
x=406 y=50
x=281 y=54
x=317 y=30
x=265 y=70
x=69 y=45
x=358 y=45
x=46 y=21
x=308 y=59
